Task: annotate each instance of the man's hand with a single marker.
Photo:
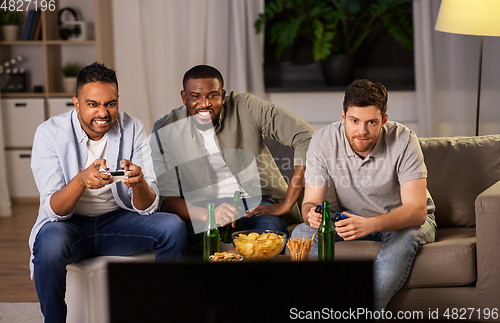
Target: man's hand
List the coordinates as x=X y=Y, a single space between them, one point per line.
x=274 y=209
x=314 y=218
x=225 y=214
x=92 y=178
x=135 y=176
x=354 y=227
x=64 y=201
x=142 y=196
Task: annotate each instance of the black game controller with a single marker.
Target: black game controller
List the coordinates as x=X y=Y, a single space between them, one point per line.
x=337 y=216
x=118 y=175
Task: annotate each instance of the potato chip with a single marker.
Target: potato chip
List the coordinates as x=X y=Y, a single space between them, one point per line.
x=253 y=236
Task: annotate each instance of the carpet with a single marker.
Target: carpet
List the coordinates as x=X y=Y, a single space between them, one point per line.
x=20 y=313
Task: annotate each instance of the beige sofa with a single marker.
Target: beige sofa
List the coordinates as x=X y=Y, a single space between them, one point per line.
x=460 y=271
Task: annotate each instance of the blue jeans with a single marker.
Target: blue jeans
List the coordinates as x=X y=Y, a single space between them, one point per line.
x=261 y=222
x=393 y=263
x=117 y=233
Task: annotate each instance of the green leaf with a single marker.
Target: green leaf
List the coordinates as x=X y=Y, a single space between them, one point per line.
x=322 y=43
x=273 y=6
x=284 y=34
x=258 y=26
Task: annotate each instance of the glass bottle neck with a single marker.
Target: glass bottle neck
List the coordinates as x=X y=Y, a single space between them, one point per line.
x=210 y=217
x=326 y=212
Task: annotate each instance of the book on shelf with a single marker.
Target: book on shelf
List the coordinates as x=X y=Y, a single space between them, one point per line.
x=36 y=19
x=27 y=25
x=38 y=30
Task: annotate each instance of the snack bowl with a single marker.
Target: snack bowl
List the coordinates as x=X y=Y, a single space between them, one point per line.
x=259 y=244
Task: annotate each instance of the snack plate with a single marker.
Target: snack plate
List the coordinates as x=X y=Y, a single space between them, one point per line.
x=233 y=254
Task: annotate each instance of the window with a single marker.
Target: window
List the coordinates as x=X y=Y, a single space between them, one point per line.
x=380 y=57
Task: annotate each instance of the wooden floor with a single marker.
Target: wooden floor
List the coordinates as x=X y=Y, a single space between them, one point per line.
x=15 y=282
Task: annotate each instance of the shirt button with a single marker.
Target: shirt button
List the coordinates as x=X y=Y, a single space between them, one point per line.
x=84 y=151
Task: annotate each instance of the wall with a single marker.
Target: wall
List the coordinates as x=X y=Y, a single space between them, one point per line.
x=322 y=108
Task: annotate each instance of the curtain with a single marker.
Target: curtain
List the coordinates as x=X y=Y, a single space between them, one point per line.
x=446 y=72
x=157 y=41
x=5 y=205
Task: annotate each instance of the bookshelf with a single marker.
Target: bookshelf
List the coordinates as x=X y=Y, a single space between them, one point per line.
x=44 y=58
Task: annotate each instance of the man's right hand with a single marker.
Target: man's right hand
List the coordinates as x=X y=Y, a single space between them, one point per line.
x=314 y=218
x=92 y=178
x=226 y=213
x=64 y=201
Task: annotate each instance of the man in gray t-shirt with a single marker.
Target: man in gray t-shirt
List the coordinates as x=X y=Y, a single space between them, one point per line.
x=379 y=175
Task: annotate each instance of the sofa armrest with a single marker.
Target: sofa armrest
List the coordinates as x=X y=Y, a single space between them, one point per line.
x=488 y=245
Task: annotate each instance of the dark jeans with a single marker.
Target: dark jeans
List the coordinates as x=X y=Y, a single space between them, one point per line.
x=117 y=233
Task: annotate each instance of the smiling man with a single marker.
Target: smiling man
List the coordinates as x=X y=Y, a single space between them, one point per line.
x=379 y=176
x=214 y=145
x=84 y=212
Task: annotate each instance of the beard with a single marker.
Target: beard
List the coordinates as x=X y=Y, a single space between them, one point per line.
x=364 y=146
x=95 y=129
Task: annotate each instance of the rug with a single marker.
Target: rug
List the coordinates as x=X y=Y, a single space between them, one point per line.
x=20 y=313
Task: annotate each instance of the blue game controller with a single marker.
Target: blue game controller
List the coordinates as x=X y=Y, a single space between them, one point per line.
x=337 y=216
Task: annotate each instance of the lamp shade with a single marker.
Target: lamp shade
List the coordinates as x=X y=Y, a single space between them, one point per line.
x=469 y=17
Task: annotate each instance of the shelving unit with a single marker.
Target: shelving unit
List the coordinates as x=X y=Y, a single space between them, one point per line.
x=44 y=58
x=43 y=63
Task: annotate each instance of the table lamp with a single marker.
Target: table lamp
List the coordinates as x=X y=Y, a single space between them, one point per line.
x=471 y=17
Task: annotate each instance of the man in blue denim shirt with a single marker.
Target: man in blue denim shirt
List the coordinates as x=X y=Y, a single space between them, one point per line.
x=84 y=212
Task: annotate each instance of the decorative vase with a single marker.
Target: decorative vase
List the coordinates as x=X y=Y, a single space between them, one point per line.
x=337 y=69
x=10 y=32
x=69 y=84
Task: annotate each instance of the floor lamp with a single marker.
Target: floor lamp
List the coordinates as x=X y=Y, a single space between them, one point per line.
x=471 y=17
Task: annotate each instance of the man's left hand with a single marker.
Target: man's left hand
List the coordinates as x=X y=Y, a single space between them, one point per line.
x=354 y=227
x=135 y=177
x=274 y=209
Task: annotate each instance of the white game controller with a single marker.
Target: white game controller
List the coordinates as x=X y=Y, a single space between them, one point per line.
x=118 y=175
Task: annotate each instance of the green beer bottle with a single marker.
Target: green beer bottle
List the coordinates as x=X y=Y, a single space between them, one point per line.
x=211 y=243
x=326 y=235
x=228 y=230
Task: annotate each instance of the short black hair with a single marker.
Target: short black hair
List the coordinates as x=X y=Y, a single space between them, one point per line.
x=95 y=72
x=363 y=93
x=203 y=72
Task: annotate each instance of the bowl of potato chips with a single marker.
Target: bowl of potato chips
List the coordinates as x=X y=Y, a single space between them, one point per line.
x=259 y=244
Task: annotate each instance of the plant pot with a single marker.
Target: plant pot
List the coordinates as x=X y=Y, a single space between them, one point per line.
x=69 y=84
x=337 y=69
x=10 y=32
x=302 y=51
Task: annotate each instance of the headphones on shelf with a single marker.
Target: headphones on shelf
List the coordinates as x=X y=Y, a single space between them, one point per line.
x=68 y=29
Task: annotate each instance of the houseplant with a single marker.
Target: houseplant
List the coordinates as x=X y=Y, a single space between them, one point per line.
x=70 y=72
x=336 y=28
x=10 y=21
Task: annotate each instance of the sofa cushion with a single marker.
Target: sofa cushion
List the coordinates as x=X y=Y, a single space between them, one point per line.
x=449 y=261
x=459 y=169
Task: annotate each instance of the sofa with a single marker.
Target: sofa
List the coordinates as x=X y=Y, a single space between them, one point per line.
x=458 y=276
x=455 y=278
